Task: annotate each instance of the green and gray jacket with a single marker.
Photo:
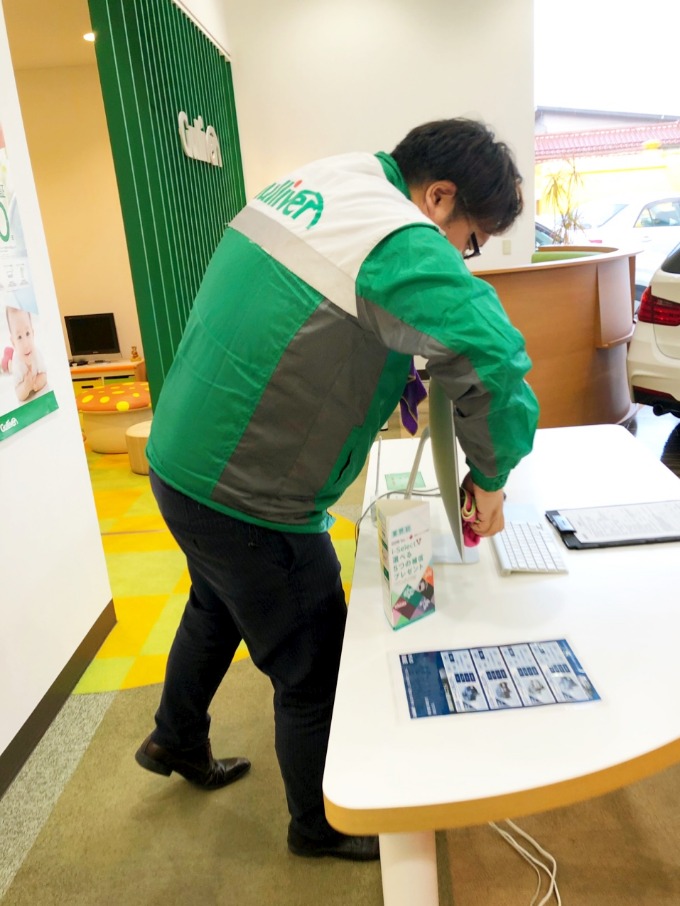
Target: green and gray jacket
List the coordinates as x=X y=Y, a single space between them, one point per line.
x=300 y=340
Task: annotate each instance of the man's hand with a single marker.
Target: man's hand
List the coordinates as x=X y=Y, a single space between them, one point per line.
x=489 y=519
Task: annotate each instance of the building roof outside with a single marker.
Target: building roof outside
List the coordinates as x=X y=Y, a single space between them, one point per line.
x=644 y=131
x=588 y=113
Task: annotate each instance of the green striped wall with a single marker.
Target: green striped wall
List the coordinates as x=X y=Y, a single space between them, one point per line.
x=153 y=63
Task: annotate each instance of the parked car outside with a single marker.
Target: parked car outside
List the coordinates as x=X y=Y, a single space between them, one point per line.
x=654 y=352
x=543 y=235
x=651 y=226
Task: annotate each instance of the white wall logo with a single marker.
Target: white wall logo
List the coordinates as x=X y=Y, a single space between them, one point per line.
x=197 y=143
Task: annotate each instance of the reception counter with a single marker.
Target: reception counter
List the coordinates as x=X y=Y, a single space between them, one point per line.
x=575 y=309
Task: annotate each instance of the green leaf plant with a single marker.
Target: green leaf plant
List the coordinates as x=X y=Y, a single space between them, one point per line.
x=562 y=186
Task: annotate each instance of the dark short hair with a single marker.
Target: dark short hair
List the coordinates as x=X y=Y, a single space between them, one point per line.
x=465 y=152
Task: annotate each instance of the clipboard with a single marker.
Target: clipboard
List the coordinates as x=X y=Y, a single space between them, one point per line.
x=621 y=524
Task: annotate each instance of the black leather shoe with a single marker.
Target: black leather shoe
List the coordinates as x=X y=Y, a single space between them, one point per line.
x=196 y=765
x=341 y=846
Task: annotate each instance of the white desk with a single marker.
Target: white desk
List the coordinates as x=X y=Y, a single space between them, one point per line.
x=403 y=778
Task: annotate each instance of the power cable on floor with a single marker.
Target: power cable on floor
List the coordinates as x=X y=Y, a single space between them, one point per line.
x=534 y=861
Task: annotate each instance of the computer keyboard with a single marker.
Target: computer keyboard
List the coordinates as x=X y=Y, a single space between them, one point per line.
x=527 y=547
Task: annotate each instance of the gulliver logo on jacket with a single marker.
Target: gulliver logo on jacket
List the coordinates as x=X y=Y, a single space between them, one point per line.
x=293 y=201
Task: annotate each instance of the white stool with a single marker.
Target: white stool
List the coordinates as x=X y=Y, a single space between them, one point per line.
x=136 y=437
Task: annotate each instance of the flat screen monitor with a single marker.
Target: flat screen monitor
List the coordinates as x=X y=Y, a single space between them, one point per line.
x=448 y=546
x=92 y=335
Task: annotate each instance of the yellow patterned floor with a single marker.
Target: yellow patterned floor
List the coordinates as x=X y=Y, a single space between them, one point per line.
x=148 y=576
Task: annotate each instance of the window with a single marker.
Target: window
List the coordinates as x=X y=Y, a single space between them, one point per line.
x=659 y=214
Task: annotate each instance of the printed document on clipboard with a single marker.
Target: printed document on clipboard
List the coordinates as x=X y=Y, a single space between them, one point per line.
x=621 y=524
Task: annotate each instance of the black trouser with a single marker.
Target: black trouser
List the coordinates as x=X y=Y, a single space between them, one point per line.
x=281 y=593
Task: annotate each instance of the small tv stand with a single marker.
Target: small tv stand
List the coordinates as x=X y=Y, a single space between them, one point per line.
x=93 y=372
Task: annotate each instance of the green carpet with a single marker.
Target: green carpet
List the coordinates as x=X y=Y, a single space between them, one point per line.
x=617 y=850
x=121 y=835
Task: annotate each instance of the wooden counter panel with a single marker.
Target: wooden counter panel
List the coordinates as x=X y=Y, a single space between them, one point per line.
x=575 y=320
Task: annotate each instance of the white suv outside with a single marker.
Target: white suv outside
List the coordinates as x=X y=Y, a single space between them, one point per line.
x=654 y=351
x=650 y=226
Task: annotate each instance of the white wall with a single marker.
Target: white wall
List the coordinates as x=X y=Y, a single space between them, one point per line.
x=53 y=580
x=313 y=79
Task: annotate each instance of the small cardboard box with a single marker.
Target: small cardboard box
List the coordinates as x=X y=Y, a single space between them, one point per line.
x=405 y=544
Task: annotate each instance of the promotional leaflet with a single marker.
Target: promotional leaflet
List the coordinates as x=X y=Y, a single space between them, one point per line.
x=493 y=678
x=397 y=481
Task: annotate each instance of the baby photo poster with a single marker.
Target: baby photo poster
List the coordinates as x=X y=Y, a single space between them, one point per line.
x=25 y=394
